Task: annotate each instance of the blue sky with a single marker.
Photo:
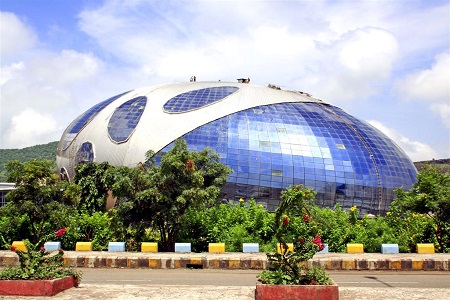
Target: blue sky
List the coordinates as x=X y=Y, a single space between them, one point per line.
x=385 y=62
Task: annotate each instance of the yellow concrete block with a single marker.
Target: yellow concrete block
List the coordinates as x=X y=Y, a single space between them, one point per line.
x=425 y=248
x=83 y=246
x=195 y=260
x=154 y=263
x=216 y=247
x=290 y=247
x=20 y=245
x=355 y=248
x=149 y=247
x=417 y=265
x=234 y=264
x=395 y=265
x=348 y=265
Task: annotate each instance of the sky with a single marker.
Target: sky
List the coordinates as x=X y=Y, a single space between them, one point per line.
x=384 y=62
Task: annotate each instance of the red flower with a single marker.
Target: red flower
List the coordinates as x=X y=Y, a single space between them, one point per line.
x=189 y=165
x=306 y=218
x=302 y=240
x=318 y=242
x=13 y=248
x=42 y=248
x=285 y=221
x=60 y=232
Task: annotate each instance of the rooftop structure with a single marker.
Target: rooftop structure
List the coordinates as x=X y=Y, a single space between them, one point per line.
x=271 y=138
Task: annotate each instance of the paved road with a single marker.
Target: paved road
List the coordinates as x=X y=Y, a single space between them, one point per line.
x=189 y=284
x=189 y=277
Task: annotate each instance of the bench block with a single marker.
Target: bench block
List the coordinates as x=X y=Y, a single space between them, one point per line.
x=83 y=246
x=425 y=248
x=324 y=250
x=182 y=247
x=216 y=247
x=149 y=247
x=290 y=247
x=52 y=246
x=19 y=245
x=389 y=248
x=250 y=247
x=355 y=248
x=116 y=246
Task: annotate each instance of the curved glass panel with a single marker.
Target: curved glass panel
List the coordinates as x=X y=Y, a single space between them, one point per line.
x=79 y=123
x=125 y=119
x=85 y=153
x=198 y=98
x=273 y=147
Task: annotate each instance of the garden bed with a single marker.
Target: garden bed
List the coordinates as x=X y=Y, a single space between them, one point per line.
x=37 y=287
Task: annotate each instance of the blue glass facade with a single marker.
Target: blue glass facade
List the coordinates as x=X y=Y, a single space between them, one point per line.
x=198 y=98
x=318 y=145
x=79 y=123
x=125 y=119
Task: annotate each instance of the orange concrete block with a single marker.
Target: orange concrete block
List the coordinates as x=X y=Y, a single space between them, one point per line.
x=20 y=245
x=216 y=247
x=290 y=247
x=83 y=246
x=425 y=248
x=149 y=247
x=355 y=248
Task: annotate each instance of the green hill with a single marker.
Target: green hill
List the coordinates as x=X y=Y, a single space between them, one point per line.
x=39 y=152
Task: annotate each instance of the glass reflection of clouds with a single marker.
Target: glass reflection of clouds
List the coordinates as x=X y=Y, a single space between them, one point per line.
x=275 y=146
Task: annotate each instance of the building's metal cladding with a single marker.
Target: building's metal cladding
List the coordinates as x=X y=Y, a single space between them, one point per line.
x=271 y=138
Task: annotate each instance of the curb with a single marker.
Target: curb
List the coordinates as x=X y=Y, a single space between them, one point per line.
x=233 y=260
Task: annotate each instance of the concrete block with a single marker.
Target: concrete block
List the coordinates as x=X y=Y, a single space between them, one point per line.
x=250 y=247
x=83 y=246
x=425 y=248
x=290 y=247
x=355 y=248
x=389 y=248
x=216 y=247
x=182 y=247
x=52 y=246
x=324 y=250
x=116 y=246
x=149 y=247
x=20 y=245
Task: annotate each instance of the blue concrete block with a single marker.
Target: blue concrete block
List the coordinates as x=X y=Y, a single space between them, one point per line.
x=182 y=247
x=250 y=247
x=116 y=246
x=324 y=250
x=52 y=246
x=389 y=248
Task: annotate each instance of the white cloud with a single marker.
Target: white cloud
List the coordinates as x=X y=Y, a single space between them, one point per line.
x=354 y=65
x=40 y=80
x=431 y=86
x=65 y=68
x=11 y=72
x=15 y=36
x=417 y=151
x=30 y=127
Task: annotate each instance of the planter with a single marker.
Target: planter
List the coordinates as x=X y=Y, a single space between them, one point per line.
x=304 y=292
x=37 y=287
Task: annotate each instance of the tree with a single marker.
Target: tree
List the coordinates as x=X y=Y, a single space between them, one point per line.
x=160 y=195
x=429 y=195
x=95 y=183
x=37 y=203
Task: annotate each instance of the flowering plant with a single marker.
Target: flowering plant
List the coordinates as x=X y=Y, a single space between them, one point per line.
x=290 y=267
x=37 y=263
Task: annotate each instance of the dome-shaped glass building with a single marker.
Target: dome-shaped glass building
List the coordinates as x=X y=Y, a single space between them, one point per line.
x=271 y=138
